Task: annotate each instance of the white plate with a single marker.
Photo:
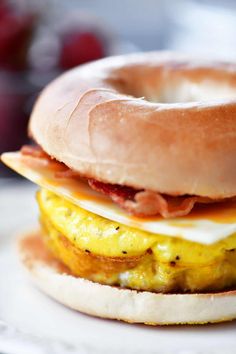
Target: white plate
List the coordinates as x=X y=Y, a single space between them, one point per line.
x=30 y=322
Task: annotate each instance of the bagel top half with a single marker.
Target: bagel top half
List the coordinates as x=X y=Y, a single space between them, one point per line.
x=154 y=121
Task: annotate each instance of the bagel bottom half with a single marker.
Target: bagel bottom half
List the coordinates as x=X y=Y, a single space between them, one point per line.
x=105 y=301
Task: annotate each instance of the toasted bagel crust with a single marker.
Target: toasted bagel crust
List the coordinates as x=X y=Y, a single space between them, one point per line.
x=107 y=120
x=123 y=304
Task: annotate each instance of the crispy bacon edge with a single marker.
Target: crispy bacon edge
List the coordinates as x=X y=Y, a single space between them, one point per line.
x=145 y=203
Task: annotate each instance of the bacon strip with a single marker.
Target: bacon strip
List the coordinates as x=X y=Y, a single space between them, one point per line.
x=147 y=203
x=34 y=151
x=141 y=203
x=41 y=159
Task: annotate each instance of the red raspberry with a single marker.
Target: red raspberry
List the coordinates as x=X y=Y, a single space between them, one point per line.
x=79 y=48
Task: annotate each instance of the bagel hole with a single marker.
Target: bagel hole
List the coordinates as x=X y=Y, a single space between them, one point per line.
x=187 y=92
x=197 y=92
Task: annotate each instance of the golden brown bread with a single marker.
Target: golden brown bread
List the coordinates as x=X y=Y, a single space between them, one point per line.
x=156 y=121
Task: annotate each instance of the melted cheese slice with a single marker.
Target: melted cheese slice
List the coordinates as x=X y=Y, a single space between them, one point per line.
x=207 y=225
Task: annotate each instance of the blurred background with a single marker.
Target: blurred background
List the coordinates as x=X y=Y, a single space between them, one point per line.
x=39 y=39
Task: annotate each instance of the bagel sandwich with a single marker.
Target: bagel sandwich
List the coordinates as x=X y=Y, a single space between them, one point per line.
x=135 y=157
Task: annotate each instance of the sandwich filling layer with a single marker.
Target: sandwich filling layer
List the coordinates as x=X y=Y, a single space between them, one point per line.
x=107 y=252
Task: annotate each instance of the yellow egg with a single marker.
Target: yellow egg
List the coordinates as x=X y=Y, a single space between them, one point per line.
x=165 y=263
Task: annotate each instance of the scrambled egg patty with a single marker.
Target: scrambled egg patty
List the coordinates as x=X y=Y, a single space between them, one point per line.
x=110 y=253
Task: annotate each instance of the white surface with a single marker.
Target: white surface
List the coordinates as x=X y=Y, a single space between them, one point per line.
x=32 y=323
